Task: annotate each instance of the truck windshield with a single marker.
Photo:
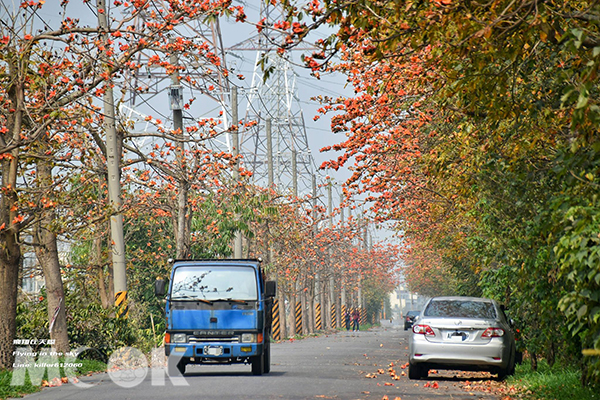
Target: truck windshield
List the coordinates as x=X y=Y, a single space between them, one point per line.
x=214 y=283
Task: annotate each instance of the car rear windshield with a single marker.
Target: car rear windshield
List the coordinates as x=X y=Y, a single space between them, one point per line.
x=460 y=309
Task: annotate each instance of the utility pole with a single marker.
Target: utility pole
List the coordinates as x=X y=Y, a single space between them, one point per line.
x=295 y=172
x=114 y=147
x=235 y=135
x=332 y=291
x=318 y=288
x=269 y=133
x=343 y=277
x=176 y=100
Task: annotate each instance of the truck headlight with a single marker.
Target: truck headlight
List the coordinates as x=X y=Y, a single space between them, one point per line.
x=248 y=337
x=178 y=338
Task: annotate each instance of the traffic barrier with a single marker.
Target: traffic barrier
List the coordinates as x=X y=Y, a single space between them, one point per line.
x=363 y=316
x=298 y=318
x=276 y=324
x=343 y=322
x=333 y=317
x=121 y=304
x=318 y=319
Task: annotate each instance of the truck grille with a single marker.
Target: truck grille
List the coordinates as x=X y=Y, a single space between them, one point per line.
x=230 y=339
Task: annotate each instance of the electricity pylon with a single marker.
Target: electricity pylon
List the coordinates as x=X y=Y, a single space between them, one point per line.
x=275 y=100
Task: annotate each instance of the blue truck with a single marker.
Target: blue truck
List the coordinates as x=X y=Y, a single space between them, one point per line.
x=218 y=312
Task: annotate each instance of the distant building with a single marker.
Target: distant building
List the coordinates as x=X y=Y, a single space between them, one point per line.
x=33 y=278
x=402 y=301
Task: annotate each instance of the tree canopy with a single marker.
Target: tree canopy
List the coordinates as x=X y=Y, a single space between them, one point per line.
x=475 y=128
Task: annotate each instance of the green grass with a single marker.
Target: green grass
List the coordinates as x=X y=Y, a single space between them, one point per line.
x=7 y=390
x=551 y=383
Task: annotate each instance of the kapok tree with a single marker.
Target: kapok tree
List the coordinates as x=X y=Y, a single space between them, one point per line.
x=49 y=75
x=519 y=86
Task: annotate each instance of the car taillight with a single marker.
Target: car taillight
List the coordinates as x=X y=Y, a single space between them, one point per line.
x=423 y=330
x=492 y=332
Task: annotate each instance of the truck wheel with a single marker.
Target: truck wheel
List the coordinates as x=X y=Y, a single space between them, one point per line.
x=176 y=367
x=258 y=365
x=267 y=366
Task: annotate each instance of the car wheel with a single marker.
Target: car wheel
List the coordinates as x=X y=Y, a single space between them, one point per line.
x=502 y=374
x=416 y=371
x=510 y=370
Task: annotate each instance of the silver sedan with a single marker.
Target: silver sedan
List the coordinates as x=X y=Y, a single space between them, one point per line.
x=462 y=333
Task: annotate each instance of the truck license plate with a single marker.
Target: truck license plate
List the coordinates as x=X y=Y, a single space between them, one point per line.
x=213 y=350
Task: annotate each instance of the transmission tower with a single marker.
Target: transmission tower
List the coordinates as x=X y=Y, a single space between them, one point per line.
x=275 y=99
x=148 y=109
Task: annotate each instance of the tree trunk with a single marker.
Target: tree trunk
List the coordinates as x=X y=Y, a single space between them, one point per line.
x=102 y=288
x=106 y=292
x=183 y=222
x=10 y=257
x=551 y=353
x=47 y=255
x=10 y=228
x=310 y=306
x=534 y=363
x=282 y=314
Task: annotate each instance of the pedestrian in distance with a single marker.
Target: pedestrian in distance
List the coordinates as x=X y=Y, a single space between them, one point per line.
x=347 y=320
x=355 y=320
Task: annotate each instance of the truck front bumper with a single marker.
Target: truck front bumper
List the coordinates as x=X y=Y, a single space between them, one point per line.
x=214 y=350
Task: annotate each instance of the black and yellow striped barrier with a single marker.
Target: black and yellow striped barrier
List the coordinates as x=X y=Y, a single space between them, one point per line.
x=299 y=318
x=343 y=322
x=318 y=319
x=363 y=316
x=276 y=324
x=333 y=317
x=121 y=304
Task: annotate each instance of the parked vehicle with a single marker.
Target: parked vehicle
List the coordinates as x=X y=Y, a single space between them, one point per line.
x=218 y=311
x=409 y=319
x=462 y=333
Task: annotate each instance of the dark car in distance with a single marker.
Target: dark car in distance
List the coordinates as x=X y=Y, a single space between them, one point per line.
x=409 y=319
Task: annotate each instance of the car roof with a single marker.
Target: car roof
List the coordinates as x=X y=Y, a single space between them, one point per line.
x=468 y=298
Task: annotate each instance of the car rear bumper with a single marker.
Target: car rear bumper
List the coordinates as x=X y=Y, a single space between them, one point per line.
x=491 y=355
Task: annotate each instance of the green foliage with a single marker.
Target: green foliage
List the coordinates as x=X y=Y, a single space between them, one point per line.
x=32 y=317
x=8 y=391
x=98 y=328
x=577 y=212
x=512 y=143
x=375 y=298
x=557 y=382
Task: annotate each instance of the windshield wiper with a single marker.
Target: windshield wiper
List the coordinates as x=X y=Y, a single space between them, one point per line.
x=191 y=298
x=233 y=300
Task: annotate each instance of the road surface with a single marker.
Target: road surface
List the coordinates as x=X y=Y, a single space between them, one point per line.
x=345 y=365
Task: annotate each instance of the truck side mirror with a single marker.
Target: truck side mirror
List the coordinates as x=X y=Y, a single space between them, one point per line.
x=159 y=287
x=270 y=289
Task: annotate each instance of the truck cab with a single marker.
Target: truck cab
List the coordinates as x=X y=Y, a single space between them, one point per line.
x=217 y=311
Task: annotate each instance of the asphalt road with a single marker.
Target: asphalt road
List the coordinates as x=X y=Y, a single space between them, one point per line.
x=341 y=366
